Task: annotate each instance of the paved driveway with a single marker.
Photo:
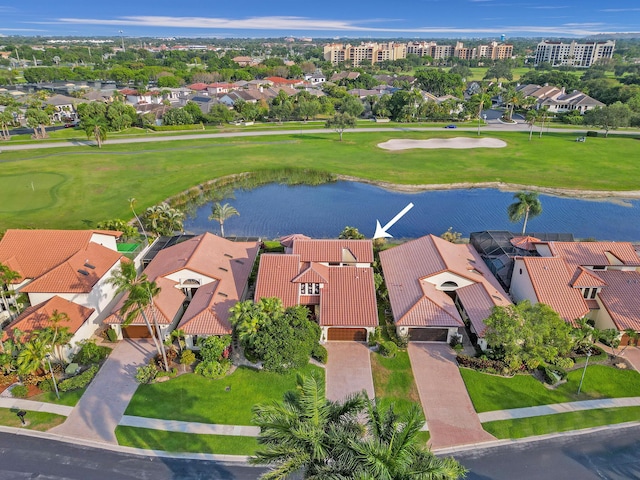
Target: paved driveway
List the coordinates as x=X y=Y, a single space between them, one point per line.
x=451 y=418
x=348 y=370
x=632 y=354
x=100 y=409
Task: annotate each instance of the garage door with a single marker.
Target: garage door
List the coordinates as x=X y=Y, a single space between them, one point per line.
x=428 y=334
x=136 y=331
x=347 y=334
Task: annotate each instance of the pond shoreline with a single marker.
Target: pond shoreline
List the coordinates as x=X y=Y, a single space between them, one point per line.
x=502 y=186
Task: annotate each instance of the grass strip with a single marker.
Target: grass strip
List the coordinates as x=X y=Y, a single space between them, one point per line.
x=561 y=422
x=185 y=442
x=393 y=381
x=40 y=421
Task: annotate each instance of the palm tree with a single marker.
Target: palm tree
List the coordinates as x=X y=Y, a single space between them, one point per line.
x=527 y=206
x=391 y=450
x=303 y=432
x=7 y=277
x=96 y=128
x=163 y=219
x=246 y=318
x=140 y=292
x=32 y=356
x=531 y=118
x=179 y=335
x=132 y=203
x=220 y=213
x=58 y=336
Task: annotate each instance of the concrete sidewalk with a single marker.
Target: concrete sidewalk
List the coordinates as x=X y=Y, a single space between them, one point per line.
x=100 y=409
x=554 y=408
x=348 y=370
x=21 y=404
x=451 y=418
x=190 y=427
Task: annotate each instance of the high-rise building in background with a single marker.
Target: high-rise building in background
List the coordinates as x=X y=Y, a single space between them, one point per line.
x=573 y=54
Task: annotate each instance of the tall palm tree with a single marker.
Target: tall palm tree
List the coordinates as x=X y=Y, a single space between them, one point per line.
x=32 y=356
x=7 y=277
x=220 y=213
x=527 y=206
x=246 y=318
x=391 y=450
x=303 y=431
x=96 y=128
x=140 y=292
x=55 y=320
x=531 y=118
x=132 y=203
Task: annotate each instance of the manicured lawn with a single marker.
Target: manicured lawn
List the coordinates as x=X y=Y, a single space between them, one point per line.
x=70 y=399
x=229 y=401
x=185 y=442
x=393 y=381
x=40 y=421
x=561 y=422
x=489 y=392
x=97 y=182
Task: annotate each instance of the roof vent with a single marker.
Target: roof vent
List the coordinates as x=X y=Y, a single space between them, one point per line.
x=223 y=269
x=222 y=294
x=228 y=256
x=239 y=261
x=83 y=272
x=88 y=265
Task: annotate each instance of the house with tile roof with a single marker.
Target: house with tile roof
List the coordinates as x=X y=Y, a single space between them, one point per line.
x=557 y=100
x=599 y=281
x=63 y=268
x=200 y=279
x=437 y=287
x=332 y=278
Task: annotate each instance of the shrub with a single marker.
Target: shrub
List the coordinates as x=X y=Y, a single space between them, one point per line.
x=483 y=364
x=563 y=363
x=20 y=391
x=213 y=347
x=187 y=357
x=146 y=373
x=388 y=349
x=320 y=353
x=171 y=373
x=375 y=337
x=90 y=353
x=402 y=340
x=591 y=133
x=112 y=335
x=213 y=369
x=46 y=385
x=552 y=374
x=79 y=381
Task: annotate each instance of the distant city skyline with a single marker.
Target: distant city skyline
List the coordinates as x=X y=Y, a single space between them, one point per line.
x=330 y=18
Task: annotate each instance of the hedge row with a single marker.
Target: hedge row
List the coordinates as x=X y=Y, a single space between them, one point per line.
x=79 y=381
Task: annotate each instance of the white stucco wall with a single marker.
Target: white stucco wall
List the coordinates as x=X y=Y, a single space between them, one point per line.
x=443 y=277
x=543 y=249
x=108 y=241
x=521 y=286
x=185 y=274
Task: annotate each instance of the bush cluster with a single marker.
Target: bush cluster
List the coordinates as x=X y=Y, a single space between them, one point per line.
x=146 y=373
x=388 y=349
x=20 y=391
x=79 y=381
x=187 y=357
x=91 y=353
x=213 y=369
x=320 y=353
x=484 y=365
x=548 y=372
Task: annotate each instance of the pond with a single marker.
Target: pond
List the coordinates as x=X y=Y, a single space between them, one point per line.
x=323 y=211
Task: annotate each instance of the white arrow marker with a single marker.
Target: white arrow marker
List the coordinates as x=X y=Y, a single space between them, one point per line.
x=382 y=231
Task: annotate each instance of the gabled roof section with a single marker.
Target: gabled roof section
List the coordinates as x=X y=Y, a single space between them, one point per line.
x=287 y=240
x=37 y=317
x=478 y=304
x=621 y=298
x=595 y=253
x=525 y=242
x=334 y=251
x=201 y=316
x=78 y=274
x=275 y=275
x=34 y=252
x=314 y=273
x=551 y=279
x=585 y=278
x=349 y=299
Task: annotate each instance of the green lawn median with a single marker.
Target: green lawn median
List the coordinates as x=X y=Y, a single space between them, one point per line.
x=40 y=421
x=185 y=442
x=393 y=381
x=561 y=422
x=228 y=401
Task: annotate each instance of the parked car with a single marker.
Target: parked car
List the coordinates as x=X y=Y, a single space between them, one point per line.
x=451 y=126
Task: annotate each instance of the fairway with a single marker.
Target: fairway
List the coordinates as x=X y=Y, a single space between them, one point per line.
x=28 y=192
x=94 y=184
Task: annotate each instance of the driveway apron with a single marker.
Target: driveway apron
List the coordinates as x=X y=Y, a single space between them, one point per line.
x=100 y=409
x=451 y=418
x=348 y=370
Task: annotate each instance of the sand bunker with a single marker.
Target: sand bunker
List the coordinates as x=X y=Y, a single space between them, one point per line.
x=458 y=142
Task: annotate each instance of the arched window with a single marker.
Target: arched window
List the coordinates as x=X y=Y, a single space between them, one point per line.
x=448 y=286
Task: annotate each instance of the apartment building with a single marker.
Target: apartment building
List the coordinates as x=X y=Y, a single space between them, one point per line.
x=365 y=53
x=573 y=54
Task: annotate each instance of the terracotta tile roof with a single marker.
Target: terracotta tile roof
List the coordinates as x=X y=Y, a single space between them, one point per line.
x=287 y=240
x=33 y=252
x=228 y=263
x=478 y=304
x=198 y=86
x=583 y=277
x=408 y=265
x=525 y=243
x=621 y=298
x=349 y=299
x=37 y=317
x=334 y=251
x=595 y=253
x=78 y=274
x=167 y=304
x=275 y=275
x=551 y=279
x=313 y=273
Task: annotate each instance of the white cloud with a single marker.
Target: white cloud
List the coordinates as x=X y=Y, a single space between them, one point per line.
x=621 y=10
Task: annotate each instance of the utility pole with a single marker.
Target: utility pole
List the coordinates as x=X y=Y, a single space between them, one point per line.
x=122 y=38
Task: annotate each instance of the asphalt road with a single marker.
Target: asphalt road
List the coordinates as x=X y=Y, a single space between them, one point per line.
x=613 y=454
x=26 y=457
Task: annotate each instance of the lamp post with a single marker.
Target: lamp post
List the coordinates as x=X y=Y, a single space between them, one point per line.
x=584 y=371
x=122 y=38
x=53 y=377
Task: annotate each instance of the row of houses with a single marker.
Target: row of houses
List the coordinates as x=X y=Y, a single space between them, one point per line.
x=436 y=288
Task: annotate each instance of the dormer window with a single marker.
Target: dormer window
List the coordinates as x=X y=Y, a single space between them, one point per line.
x=589 y=293
x=309 y=289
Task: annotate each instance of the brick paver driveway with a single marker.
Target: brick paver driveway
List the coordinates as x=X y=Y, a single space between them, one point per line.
x=100 y=409
x=348 y=370
x=451 y=418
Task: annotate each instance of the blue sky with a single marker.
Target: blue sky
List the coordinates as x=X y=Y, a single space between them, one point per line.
x=326 y=18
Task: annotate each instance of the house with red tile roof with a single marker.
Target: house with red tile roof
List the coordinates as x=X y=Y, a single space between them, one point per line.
x=436 y=287
x=599 y=281
x=200 y=279
x=67 y=270
x=332 y=278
